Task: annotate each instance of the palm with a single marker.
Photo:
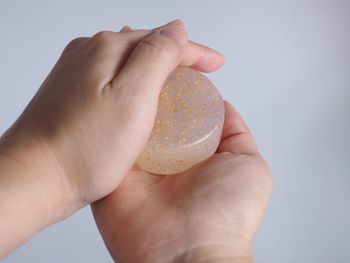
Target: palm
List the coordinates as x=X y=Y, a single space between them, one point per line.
x=161 y=216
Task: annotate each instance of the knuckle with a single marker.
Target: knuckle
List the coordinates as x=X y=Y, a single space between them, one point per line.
x=102 y=38
x=76 y=42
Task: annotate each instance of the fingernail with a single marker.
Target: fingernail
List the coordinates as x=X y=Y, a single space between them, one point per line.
x=171 y=23
x=174 y=22
x=125 y=28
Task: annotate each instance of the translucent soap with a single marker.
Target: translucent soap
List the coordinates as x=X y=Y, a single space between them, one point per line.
x=188 y=125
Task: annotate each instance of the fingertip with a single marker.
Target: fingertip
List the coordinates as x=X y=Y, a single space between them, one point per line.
x=202 y=58
x=236 y=137
x=233 y=123
x=125 y=29
x=176 y=22
x=212 y=61
x=229 y=106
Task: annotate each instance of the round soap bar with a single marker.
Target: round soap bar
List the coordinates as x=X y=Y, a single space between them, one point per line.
x=188 y=124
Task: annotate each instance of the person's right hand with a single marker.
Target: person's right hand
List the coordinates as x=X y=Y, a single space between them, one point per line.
x=209 y=213
x=87 y=124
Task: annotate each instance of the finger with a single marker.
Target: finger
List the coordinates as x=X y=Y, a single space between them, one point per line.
x=158 y=54
x=205 y=59
x=74 y=45
x=125 y=29
x=236 y=136
x=202 y=58
x=196 y=56
x=115 y=49
x=150 y=63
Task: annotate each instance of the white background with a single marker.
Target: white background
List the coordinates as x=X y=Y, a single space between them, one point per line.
x=287 y=71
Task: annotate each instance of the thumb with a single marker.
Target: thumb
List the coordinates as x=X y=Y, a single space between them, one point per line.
x=236 y=136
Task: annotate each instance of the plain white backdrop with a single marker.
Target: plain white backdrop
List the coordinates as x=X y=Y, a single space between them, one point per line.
x=287 y=71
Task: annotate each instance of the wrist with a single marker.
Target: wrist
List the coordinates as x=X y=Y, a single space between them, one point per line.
x=32 y=170
x=33 y=193
x=215 y=244
x=215 y=254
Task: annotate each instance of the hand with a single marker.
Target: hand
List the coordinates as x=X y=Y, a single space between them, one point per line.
x=209 y=213
x=87 y=124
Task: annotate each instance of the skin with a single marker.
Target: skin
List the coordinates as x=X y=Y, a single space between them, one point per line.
x=77 y=140
x=210 y=213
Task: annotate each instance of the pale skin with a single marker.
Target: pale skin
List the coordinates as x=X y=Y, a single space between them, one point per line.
x=76 y=143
